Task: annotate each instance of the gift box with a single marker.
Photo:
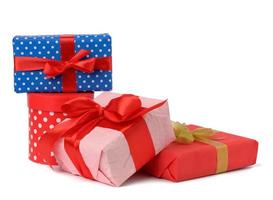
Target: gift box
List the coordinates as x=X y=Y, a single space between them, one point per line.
x=201 y=152
x=44 y=113
x=110 y=138
x=62 y=63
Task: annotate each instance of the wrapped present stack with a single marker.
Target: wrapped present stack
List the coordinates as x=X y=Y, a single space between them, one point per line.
x=110 y=137
x=55 y=69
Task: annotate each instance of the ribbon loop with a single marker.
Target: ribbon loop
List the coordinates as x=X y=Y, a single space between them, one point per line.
x=123 y=108
x=80 y=55
x=55 y=68
x=184 y=135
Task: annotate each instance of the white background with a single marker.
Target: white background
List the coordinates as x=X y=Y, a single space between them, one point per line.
x=211 y=59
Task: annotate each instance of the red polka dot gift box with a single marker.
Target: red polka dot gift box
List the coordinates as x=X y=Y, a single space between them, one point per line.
x=44 y=113
x=62 y=63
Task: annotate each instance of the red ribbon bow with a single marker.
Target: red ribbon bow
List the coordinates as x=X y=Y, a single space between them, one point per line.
x=54 y=68
x=85 y=114
x=67 y=66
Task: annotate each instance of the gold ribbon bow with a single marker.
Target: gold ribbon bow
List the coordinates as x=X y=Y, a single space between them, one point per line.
x=204 y=135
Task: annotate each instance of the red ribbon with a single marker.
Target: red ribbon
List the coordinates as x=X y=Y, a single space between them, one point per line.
x=85 y=114
x=67 y=66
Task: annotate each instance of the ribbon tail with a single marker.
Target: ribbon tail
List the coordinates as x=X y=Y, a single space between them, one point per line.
x=221 y=153
x=104 y=63
x=49 y=139
x=80 y=107
x=72 y=147
x=29 y=63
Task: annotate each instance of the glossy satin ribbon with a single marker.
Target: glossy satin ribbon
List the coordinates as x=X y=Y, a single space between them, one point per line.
x=204 y=135
x=85 y=114
x=70 y=62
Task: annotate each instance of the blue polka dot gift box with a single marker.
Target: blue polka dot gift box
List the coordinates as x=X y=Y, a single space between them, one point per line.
x=62 y=63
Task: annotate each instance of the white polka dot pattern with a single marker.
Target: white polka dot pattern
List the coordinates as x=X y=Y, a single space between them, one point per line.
x=49 y=47
x=39 y=123
x=44 y=115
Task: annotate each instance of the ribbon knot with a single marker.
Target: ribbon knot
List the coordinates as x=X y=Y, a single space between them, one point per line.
x=68 y=64
x=185 y=136
x=54 y=68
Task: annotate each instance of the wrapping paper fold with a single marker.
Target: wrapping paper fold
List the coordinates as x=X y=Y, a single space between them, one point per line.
x=62 y=63
x=44 y=113
x=179 y=162
x=114 y=154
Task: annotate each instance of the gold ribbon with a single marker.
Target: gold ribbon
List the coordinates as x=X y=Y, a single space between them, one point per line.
x=185 y=136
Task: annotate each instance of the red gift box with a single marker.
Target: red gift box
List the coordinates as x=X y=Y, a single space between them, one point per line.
x=44 y=113
x=179 y=162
